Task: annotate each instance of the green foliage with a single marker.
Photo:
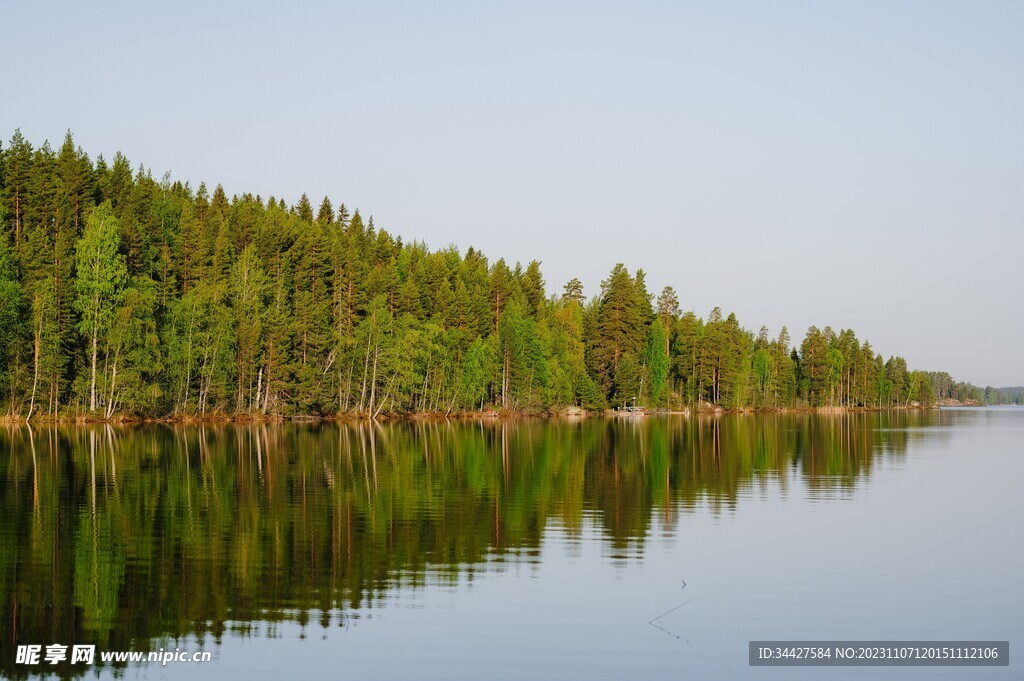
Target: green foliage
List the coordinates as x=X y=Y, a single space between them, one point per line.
x=524 y=373
x=11 y=319
x=621 y=327
x=945 y=387
x=628 y=381
x=121 y=295
x=101 y=275
x=656 y=363
x=249 y=287
x=134 y=352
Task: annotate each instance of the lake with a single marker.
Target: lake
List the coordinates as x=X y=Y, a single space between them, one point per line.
x=650 y=548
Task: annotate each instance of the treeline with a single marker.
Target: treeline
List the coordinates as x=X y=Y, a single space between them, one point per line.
x=947 y=388
x=124 y=295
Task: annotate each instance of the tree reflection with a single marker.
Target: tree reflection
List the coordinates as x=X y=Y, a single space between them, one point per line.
x=119 y=537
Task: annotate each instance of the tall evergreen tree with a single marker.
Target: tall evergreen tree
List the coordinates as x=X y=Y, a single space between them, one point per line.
x=11 y=327
x=17 y=169
x=621 y=326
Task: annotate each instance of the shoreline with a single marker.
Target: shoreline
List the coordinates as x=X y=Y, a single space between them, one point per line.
x=496 y=415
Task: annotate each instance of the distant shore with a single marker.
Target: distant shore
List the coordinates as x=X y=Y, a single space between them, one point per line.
x=950 y=402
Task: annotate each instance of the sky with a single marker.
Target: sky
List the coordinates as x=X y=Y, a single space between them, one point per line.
x=858 y=165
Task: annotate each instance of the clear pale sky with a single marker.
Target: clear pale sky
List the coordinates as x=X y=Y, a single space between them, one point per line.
x=847 y=164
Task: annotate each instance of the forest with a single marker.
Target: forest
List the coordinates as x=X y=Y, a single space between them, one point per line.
x=948 y=388
x=126 y=296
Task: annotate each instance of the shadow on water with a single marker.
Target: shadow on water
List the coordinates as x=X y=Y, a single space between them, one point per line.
x=123 y=537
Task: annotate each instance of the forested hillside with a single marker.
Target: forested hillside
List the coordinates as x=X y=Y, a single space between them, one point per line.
x=124 y=295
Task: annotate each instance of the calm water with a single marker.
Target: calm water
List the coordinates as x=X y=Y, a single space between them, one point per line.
x=528 y=549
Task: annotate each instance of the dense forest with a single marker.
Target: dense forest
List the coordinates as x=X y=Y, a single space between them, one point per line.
x=122 y=295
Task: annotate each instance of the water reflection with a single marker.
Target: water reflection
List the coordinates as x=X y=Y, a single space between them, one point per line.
x=124 y=536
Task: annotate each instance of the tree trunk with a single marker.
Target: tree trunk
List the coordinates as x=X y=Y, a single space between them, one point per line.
x=366 y=368
x=92 y=389
x=113 y=384
x=373 y=381
x=35 y=371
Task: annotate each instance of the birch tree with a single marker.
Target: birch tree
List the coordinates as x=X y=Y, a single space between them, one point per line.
x=101 y=275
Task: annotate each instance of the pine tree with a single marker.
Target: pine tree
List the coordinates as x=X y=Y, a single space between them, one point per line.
x=765 y=370
x=814 y=367
x=686 y=353
x=304 y=209
x=116 y=183
x=325 y=215
x=533 y=288
x=11 y=327
x=620 y=326
x=898 y=381
x=668 y=310
x=502 y=289
x=574 y=291
x=786 y=370
x=17 y=168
